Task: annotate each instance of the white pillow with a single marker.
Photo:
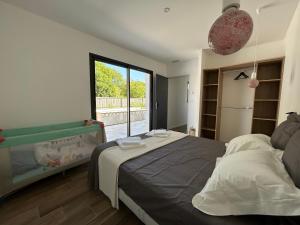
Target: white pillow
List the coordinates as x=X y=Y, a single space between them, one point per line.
x=249 y=142
x=249 y=182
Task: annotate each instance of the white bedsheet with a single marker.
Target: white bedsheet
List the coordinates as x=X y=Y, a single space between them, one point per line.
x=111 y=159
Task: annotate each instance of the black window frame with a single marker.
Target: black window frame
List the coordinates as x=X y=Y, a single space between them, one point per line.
x=95 y=57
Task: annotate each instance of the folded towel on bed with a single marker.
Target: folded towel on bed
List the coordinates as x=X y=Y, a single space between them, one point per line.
x=158 y=133
x=130 y=142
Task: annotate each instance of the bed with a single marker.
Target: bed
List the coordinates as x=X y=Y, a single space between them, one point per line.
x=159 y=186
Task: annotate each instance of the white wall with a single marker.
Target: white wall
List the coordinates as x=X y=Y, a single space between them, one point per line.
x=44 y=69
x=177 y=101
x=264 y=51
x=193 y=69
x=291 y=77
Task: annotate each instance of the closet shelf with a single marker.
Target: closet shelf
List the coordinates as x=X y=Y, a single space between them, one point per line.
x=208 y=114
x=210 y=100
x=266 y=100
x=209 y=129
x=269 y=80
x=264 y=119
x=209 y=85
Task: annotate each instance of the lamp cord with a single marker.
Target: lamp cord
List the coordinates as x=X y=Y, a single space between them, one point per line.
x=256 y=42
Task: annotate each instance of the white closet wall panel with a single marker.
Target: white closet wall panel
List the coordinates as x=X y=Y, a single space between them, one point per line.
x=235 y=123
x=237 y=105
x=177 y=101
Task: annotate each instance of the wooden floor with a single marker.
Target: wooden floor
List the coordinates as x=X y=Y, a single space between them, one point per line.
x=63 y=200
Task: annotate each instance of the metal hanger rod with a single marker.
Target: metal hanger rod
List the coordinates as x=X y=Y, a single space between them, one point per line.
x=245 y=108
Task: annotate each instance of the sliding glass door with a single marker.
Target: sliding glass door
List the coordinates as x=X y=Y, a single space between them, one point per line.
x=111 y=98
x=140 y=104
x=121 y=97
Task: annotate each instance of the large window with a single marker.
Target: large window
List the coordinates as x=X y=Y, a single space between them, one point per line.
x=121 y=97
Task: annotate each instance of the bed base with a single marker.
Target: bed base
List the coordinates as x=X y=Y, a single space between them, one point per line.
x=137 y=210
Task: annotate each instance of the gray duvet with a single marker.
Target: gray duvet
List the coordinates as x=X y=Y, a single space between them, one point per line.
x=164 y=181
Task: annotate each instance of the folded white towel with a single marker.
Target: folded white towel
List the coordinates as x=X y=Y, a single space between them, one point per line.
x=158 y=133
x=130 y=142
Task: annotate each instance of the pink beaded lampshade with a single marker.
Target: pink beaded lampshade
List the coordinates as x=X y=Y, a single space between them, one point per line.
x=230 y=32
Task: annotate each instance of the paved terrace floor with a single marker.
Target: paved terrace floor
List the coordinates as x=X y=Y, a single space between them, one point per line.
x=111 y=110
x=114 y=132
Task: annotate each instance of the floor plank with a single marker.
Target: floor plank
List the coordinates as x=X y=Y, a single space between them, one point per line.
x=63 y=200
x=55 y=217
x=23 y=218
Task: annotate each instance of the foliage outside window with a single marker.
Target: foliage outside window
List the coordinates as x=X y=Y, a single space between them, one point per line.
x=110 y=83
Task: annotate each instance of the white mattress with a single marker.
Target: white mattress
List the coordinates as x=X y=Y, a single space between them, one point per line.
x=137 y=210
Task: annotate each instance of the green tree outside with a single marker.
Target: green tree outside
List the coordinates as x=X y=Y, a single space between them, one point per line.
x=137 y=89
x=110 y=83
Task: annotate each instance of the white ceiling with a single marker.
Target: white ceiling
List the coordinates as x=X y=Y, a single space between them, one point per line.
x=142 y=25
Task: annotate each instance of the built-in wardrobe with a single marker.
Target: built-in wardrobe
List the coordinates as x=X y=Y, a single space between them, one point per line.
x=230 y=108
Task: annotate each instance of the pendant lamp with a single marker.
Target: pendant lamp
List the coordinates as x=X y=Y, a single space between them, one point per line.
x=253 y=82
x=232 y=30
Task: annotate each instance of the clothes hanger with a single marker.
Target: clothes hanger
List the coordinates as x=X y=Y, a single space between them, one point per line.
x=289 y=113
x=241 y=76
